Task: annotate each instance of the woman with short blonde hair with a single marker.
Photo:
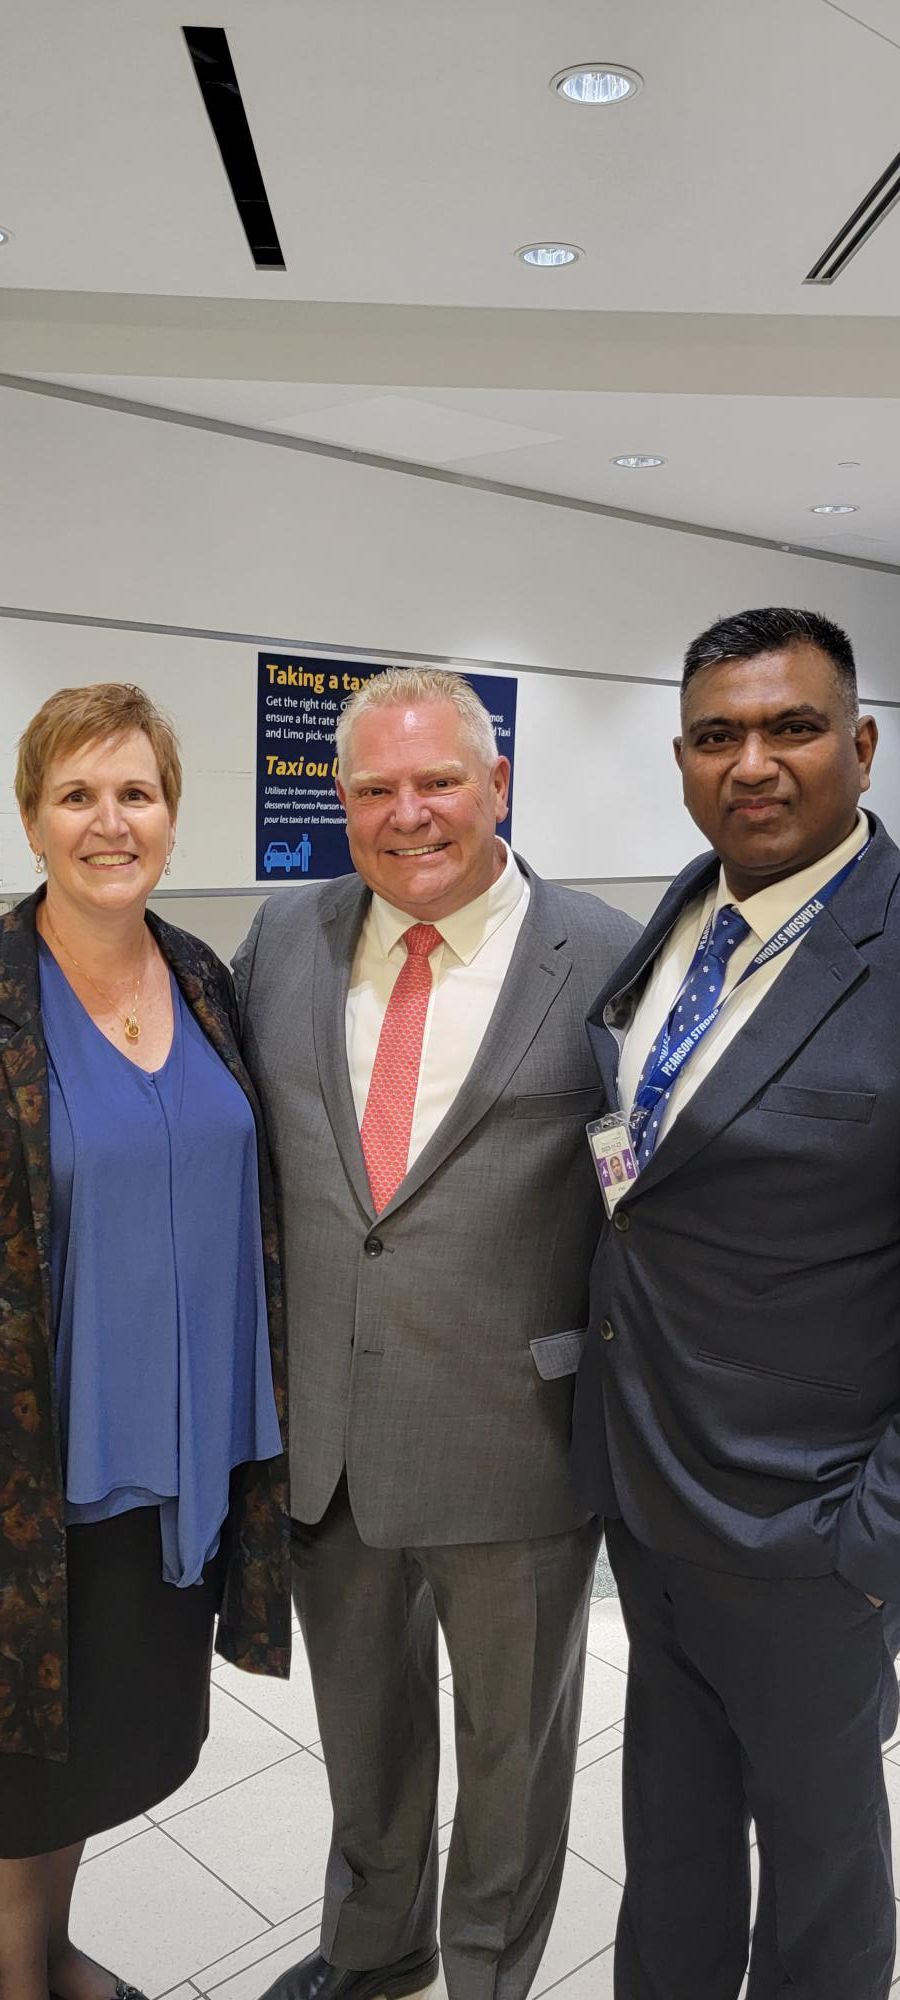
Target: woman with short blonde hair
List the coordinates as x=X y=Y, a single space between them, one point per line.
x=142 y=1475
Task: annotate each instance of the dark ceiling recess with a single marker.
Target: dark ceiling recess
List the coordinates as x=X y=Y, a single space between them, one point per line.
x=214 y=69
x=858 y=227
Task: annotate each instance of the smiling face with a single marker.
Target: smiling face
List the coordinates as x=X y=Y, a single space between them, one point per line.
x=103 y=825
x=422 y=808
x=771 y=765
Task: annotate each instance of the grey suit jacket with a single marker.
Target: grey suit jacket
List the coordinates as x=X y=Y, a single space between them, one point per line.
x=433 y=1352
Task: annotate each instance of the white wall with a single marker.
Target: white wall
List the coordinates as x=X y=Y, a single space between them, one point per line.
x=107 y=515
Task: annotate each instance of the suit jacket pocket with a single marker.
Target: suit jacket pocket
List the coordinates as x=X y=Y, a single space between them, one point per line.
x=759 y=1369
x=558 y=1354
x=561 y=1103
x=798 y=1102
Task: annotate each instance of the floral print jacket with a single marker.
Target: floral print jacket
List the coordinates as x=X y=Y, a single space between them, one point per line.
x=254 y=1622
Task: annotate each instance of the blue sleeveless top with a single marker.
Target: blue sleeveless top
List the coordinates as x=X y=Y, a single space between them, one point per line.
x=162 y=1351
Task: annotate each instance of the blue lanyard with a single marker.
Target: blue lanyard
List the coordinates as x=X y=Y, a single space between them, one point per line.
x=665 y=1063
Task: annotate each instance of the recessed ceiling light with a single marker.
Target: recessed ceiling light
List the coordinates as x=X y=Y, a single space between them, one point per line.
x=836 y=508
x=5 y=234
x=638 y=460
x=549 y=256
x=596 y=83
x=849 y=464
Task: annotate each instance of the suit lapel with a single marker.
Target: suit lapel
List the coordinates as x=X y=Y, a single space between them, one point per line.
x=822 y=971
x=826 y=967
x=537 y=973
x=618 y=998
x=336 y=941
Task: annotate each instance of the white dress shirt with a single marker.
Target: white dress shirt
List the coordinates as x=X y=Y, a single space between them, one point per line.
x=765 y=911
x=468 y=969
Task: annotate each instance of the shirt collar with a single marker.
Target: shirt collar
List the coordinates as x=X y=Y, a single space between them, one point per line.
x=467 y=929
x=768 y=909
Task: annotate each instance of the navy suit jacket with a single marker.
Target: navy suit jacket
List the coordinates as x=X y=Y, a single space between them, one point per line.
x=738 y=1401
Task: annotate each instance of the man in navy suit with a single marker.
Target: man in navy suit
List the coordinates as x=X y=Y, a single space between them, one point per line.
x=738 y=1404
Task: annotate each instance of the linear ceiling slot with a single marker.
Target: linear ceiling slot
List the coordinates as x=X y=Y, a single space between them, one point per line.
x=858 y=228
x=215 y=73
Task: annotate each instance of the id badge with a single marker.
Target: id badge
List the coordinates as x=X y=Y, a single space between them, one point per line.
x=613 y=1156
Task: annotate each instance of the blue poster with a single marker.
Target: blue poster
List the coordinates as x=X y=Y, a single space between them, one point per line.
x=299 y=817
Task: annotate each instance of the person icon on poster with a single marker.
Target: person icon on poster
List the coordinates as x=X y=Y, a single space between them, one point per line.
x=303 y=854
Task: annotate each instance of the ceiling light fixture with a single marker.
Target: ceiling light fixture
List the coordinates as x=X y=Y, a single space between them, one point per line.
x=849 y=464
x=638 y=460
x=549 y=256
x=5 y=234
x=596 y=83
x=838 y=507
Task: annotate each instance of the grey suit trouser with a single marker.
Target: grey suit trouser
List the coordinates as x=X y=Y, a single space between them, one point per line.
x=514 y=1615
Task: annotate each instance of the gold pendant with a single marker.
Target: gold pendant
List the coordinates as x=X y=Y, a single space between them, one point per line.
x=132 y=1027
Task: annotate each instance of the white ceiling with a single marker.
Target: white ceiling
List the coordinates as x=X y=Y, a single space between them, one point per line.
x=408 y=148
x=750 y=465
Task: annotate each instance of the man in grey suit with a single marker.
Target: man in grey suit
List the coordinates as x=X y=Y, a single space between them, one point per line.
x=417 y=1034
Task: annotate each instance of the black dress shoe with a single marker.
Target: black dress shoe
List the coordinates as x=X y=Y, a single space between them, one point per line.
x=315 y=1979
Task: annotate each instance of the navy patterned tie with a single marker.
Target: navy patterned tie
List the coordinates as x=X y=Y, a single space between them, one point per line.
x=697 y=999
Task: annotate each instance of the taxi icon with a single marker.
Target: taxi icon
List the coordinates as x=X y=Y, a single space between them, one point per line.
x=278 y=854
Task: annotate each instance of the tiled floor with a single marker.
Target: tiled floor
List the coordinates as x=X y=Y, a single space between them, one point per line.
x=217 y=1891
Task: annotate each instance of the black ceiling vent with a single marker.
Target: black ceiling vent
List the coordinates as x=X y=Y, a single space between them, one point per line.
x=214 y=69
x=858 y=228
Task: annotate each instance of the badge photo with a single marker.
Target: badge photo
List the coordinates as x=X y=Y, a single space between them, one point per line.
x=613 y=1156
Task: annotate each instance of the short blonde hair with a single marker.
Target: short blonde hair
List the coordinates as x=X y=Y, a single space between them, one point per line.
x=400 y=684
x=74 y=716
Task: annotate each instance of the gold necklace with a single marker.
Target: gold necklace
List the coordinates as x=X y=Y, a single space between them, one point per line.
x=129 y=1021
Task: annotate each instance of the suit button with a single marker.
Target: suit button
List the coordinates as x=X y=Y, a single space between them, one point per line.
x=607 y=1331
x=373 y=1246
x=621 y=1221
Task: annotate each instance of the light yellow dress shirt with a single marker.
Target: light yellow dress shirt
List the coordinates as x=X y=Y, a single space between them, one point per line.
x=468 y=969
x=765 y=912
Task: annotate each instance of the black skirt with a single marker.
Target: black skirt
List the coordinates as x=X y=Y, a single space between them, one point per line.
x=139 y=1664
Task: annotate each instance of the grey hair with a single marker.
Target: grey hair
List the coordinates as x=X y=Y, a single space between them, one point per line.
x=405 y=684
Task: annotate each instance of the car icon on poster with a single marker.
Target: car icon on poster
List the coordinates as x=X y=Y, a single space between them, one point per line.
x=280 y=854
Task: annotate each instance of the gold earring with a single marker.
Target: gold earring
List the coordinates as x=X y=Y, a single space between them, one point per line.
x=38 y=860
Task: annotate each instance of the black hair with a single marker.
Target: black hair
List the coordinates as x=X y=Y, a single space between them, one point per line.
x=771 y=630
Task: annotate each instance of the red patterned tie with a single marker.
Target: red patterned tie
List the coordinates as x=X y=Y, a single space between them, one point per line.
x=388 y=1116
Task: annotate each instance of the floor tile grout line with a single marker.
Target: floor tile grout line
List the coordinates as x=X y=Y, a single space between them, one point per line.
x=204 y=1970
x=601 y=1657
x=221 y=1881
x=115 y=1844
x=592 y=1960
x=601 y=1759
x=268 y=1952
x=298 y=1751
x=608 y=1727
x=607 y=1877
x=250 y=1710
x=256 y=1962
